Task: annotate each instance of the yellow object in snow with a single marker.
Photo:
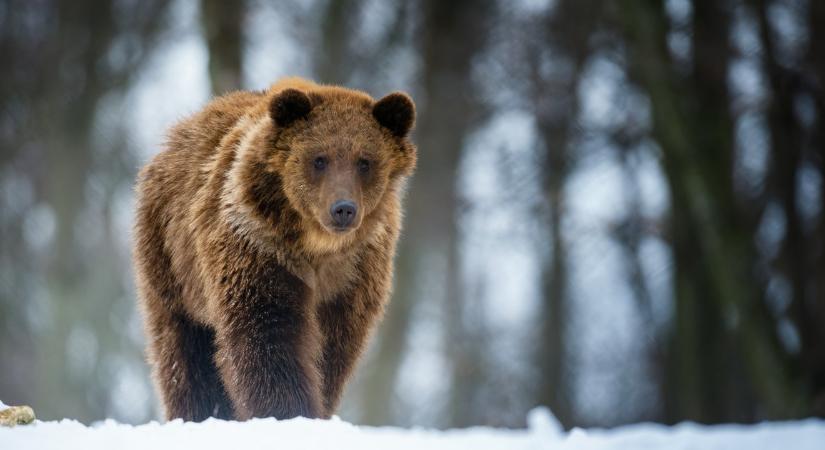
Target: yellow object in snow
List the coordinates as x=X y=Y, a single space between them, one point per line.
x=16 y=415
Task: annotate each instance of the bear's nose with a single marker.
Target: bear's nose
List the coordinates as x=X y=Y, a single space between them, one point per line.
x=343 y=213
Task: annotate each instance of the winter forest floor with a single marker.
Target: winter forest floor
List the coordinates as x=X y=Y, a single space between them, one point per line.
x=543 y=433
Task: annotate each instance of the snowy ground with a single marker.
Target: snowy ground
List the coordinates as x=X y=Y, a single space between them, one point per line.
x=543 y=433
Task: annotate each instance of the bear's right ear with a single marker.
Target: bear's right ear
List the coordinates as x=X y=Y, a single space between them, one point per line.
x=288 y=106
x=396 y=112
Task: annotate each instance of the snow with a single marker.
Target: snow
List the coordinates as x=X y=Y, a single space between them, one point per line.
x=543 y=432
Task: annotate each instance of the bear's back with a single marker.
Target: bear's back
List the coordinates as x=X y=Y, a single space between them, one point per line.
x=175 y=174
x=168 y=185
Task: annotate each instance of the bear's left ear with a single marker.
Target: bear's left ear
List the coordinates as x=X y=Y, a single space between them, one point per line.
x=288 y=106
x=395 y=112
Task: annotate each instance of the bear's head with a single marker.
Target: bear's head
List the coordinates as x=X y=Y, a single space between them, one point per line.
x=338 y=152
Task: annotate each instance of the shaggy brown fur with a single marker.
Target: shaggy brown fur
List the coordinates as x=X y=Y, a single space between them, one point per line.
x=256 y=302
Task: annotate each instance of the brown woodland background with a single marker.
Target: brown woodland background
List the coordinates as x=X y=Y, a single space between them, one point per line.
x=619 y=210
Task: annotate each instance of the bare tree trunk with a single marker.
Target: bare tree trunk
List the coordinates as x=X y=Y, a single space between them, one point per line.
x=76 y=280
x=553 y=357
x=566 y=31
x=335 y=61
x=802 y=256
x=223 y=27
x=454 y=35
x=724 y=342
x=815 y=304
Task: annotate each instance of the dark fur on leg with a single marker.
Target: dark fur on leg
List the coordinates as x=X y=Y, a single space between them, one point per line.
x=269 y=345
x=348 y=320
x=190 y=386
x=344 y=342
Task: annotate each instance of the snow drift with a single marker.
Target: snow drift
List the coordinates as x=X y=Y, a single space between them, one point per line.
x=543 y=433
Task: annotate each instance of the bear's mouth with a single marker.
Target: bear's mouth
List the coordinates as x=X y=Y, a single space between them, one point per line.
x=338 y=230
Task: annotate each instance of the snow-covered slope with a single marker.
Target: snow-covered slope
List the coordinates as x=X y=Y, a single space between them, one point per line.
x=543 y=433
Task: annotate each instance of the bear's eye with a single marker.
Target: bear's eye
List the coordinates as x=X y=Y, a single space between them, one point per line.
x=320 y=163
x=363 y=165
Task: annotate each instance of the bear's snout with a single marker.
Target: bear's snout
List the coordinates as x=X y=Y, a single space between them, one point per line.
x=343 y=214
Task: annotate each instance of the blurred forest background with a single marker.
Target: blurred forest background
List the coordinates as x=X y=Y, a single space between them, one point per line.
x=618 y=213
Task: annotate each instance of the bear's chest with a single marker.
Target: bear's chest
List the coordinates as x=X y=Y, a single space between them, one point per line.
x=335 y=276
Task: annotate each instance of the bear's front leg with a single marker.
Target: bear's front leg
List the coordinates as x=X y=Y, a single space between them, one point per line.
x=347 y=321
x=269 y=344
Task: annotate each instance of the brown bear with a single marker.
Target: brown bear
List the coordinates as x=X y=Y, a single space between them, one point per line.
x=264 y=241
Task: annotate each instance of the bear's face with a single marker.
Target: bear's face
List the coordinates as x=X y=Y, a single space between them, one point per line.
x=339 y=151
